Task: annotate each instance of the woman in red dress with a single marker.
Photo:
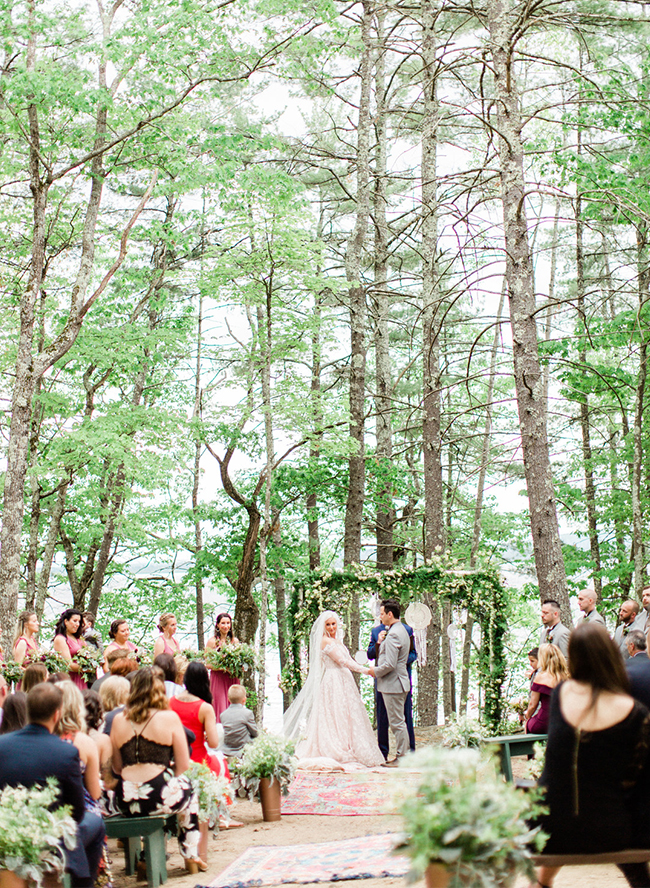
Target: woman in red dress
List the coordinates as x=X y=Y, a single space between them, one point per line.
x=25 y=640
x=68 y=642
x=194 y=708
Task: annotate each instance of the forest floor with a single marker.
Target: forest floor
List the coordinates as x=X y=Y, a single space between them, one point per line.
x=227 y=845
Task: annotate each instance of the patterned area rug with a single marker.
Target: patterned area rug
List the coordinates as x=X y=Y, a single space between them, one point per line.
x=366 y=857
x=339 y=794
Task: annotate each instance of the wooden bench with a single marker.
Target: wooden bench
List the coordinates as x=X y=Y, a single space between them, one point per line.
x=629 y=855
x=514 y=745
x=151 y=830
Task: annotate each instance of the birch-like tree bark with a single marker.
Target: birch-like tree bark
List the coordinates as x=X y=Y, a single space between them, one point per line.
x=504 y=23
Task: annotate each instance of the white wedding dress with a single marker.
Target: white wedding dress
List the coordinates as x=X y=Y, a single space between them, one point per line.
x=329 y=714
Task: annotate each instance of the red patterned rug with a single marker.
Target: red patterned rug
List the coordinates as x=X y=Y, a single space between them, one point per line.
x=339 y=794
x=366 y=857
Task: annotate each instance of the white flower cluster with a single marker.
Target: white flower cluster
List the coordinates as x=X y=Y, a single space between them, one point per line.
x=213 y=792
x=31 y=831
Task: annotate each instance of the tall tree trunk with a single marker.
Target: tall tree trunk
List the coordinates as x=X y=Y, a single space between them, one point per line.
x=357 y=305
x=480 y=490
x=428 y=676
x=529 y=383
x=643 y=273
x=313 y=533
x=49 y=549
x=196 y=471
x=383 y=402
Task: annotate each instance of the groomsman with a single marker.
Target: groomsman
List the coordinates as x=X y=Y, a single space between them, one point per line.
x=377 y=635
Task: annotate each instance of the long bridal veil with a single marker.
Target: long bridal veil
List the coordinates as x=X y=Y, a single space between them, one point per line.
x=297 y=715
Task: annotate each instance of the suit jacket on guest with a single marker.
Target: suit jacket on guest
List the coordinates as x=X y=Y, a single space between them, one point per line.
x=31 y=755
x=390 y=672
x=638 y=671
x=239 y=728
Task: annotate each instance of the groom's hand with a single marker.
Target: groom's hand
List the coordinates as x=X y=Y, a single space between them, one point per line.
x=371 y=671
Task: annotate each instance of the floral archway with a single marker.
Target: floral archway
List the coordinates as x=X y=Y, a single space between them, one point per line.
x=480 y=592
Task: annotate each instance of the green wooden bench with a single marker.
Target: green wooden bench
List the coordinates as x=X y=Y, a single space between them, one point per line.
x=514 y=745
x=151 y=830
x=629 y=855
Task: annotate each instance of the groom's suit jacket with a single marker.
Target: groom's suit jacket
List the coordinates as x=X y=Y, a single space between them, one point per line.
x=390 y=672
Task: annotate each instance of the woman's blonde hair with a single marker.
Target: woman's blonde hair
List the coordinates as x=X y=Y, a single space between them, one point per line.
x=114 y=692
x=147 y=693
x=552 y=660
x=73 y=711
x=21 y=622
x=182 y=663
x=164 y=619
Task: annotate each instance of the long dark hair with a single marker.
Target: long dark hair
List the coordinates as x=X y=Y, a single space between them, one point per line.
x=60 y=626
x=197 y=681
x=217 y=634
x=15 y=712
x=595 y=660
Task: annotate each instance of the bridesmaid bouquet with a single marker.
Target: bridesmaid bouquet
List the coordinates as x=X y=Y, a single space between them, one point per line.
x=89 y=660
x=12 y=672
x=236 y=659
x=52 y=660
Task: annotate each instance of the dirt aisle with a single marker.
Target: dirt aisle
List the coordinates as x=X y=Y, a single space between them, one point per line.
x=295 y=829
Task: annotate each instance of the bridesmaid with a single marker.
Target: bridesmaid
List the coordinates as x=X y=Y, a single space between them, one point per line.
x=166 y=643
x=25 y=639
x=68 y=641
x=220 y=681
x=119 y=635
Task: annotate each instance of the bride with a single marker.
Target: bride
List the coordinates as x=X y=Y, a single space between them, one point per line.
x=328 y=714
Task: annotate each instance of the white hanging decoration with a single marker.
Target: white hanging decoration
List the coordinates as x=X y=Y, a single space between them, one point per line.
x=374 y=606
x=453 y=631
x=418 y=616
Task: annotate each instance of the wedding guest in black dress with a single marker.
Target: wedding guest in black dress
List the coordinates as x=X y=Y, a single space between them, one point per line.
x=596 y=774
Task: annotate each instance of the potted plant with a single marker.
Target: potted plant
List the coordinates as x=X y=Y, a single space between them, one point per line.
x=267 y=765
x=31 y=833
x=214 y=795
x=463 y=824
x=463 y=732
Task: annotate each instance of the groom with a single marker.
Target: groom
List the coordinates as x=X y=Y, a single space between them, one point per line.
x=392 y=676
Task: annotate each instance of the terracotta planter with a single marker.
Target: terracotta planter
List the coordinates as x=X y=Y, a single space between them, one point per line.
x=8 y=879
x=204 y=830
x=270 y=798
x=436 y=875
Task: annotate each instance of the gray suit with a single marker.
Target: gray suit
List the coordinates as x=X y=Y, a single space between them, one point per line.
x=594 y=617
x=622 y=631
x=239 y=728
x=393 y=681
x=559 y=636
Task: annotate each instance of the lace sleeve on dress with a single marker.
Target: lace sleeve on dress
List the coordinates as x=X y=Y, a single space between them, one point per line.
x=339 y=653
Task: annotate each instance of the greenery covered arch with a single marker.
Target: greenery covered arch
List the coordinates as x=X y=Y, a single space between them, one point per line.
x=481 y=592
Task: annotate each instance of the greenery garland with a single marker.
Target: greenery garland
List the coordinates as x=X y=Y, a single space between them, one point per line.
x=481 y=592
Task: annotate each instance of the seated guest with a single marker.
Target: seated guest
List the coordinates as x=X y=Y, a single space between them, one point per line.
x=111 y=658
x=596 y=770
x=34 y=674
x=31 y=755
x=552 y=670
x=238 y=722
x=113 y=694
x=94 y=714
x=638 y=667
x=150 y=758
x=167 y=662
x=14 y=712
x=71 y=727
x=4 y=692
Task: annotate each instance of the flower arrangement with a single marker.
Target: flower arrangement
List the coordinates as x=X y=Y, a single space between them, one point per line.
x=463 y=732
x=52 y=660
x=31 y=833
x=89 y=660
x=270 y=756
x=236 y=659
x=145 y=655
x=535 y=766
x=12 y=672
x=460 y=813
x=213 y=792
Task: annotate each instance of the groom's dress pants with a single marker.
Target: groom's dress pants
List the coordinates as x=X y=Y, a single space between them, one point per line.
x=394 y=704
